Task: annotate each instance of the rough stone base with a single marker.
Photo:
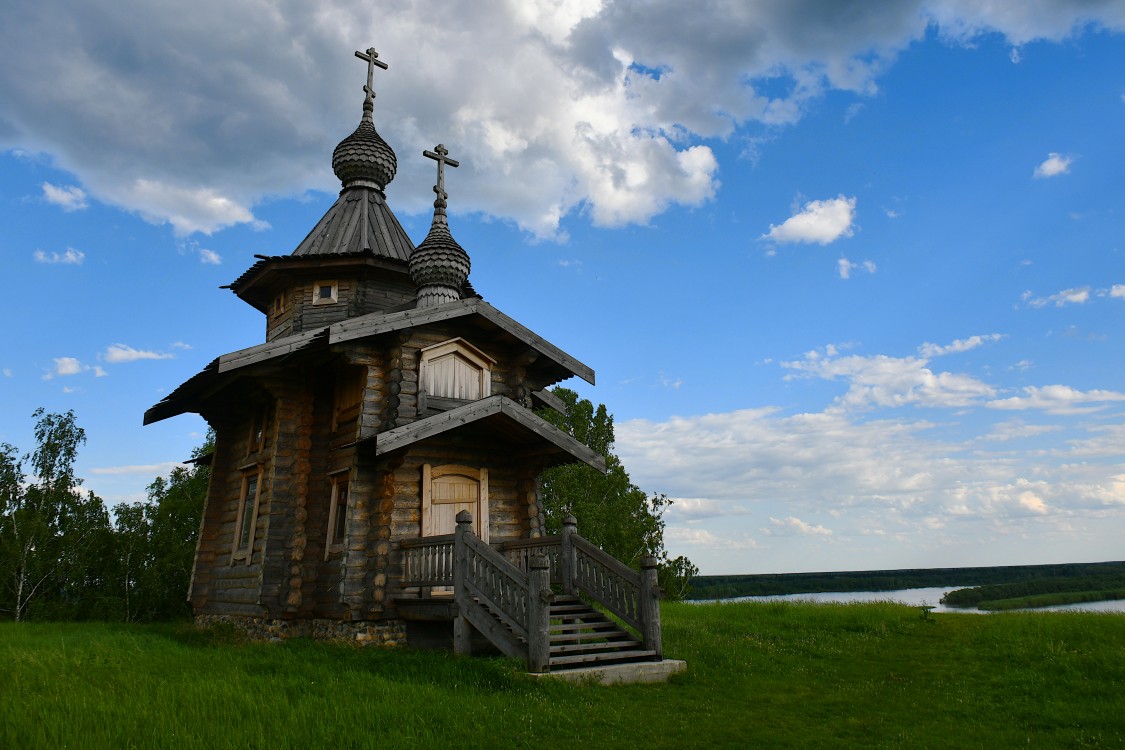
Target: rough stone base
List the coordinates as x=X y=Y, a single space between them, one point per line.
x=381 y=633
x=621 y=674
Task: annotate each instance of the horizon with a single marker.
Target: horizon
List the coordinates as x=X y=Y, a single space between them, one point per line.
x=851 y=277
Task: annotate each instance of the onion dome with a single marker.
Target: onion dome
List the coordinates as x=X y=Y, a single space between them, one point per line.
x=439 y=266
x=364 y=159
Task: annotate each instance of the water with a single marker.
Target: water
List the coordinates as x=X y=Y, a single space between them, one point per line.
x=919 y=597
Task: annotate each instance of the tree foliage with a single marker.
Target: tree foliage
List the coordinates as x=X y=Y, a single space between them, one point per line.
x=611 y=511
x=61 y=555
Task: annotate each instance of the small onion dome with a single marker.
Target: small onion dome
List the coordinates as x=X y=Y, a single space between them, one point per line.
x=439 y=266
x=364 y=158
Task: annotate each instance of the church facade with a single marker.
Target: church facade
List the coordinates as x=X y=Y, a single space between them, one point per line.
x=386 y=398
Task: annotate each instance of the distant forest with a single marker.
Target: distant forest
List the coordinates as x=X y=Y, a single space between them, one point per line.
x=726 y=587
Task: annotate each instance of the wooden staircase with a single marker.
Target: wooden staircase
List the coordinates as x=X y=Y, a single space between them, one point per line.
x=581 y=636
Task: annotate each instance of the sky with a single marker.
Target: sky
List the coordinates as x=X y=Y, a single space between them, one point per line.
x=851 y=274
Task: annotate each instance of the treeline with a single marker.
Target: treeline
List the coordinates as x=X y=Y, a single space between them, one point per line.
x=63 y=556
x=1109 y=578
x=730 y=586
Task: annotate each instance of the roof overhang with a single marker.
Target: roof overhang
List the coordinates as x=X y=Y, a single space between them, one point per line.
x=501 y=417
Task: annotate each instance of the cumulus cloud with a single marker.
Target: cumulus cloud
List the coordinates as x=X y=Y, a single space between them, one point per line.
x=147 y=470
x=1059 y=399
x=821 y=222
x=67 y=197
x=71 y=257
x=959 y=345
x=593 y=107
x=117 y=353
x=68 y=366
x=792 y=525
x=1073 y=296
x=1117 y=290
x=885 y=381
x=1054 y=165
x=845 y=267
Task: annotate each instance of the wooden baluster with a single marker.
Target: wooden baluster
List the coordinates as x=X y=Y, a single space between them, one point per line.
x=649 y=614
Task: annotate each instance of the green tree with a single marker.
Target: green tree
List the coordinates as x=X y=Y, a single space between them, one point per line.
x=54 y=539
x=612 y=512
x=156 y=541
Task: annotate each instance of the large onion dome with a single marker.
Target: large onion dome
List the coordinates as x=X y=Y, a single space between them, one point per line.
x=439 y=266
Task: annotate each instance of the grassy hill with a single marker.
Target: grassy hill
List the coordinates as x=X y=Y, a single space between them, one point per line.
x=760 y=675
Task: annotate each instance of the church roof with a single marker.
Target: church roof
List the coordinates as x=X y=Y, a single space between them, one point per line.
x=187 y=397
x=358 y=221
x=496 y=417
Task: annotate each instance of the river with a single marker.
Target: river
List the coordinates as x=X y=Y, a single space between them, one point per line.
x=919 y=597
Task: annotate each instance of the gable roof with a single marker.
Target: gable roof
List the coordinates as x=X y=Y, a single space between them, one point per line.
x=183 y=398
x=498 y=415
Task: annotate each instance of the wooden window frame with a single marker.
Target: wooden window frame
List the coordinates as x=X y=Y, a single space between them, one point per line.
x=318 y=300
x=467 y=351
x=333 y=545
x=238 y=550
x=431 y=472
x=256 y=441
x=350 y=384
x=279 y=304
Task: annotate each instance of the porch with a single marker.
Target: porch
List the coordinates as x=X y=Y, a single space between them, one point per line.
x=559 y=603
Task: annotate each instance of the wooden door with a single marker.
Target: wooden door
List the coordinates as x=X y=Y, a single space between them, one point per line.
x=446 y=491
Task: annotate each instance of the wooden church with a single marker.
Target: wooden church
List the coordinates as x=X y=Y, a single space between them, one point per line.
x=377 y=459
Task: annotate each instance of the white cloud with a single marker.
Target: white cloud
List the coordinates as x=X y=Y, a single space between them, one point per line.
x=116 y=353
x=1059 y=399
x=1073 y=296
x=1014 y=55
x=1015 y=429
x=696 y=508
x=882 y=381
x=696 y=537
x=209 y=257
x=7 y=372
x=68 y=366
x=68 y=197
x=959 y=345
x=592 y=107
x=845 y=267
x=792 y=525
x=1117 y=290
x=70 y=257
x=180 y=345
x=821 y=222
x=143 y=469
x=1054 y=165
x=99 y=371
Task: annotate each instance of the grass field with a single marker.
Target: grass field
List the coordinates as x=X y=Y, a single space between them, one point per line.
x=772 y=674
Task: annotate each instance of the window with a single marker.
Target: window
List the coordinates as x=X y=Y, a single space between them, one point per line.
x=326 y=292
x=259 y=425
x=247 y=519
x=337 y=515
x=277 y=309
x=456 y=369
x=348 y=396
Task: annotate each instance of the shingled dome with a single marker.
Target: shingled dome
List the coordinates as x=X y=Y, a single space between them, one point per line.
x=439 y=266
x=364 y=157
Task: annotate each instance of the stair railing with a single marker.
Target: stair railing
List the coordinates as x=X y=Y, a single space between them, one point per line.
x=632 y=596
x=510 y=607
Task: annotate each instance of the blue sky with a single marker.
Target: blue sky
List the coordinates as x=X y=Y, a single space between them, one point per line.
x=851 y=275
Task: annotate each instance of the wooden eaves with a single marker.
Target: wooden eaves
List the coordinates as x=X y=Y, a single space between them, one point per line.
x=496 y=412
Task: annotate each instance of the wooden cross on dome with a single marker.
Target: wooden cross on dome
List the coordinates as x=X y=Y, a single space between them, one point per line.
x=372 y=58
x=441 y=156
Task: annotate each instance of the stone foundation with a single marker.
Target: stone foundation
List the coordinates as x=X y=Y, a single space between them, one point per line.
x=380 y=633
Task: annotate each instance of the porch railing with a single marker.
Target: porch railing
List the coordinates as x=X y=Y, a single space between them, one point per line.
x=504 y=590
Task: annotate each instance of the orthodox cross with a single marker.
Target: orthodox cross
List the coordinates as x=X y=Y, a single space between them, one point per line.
x=372 y=58
x=441 y=156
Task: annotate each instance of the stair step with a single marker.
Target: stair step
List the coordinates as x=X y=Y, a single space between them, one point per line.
x=579 y=607
x=605 y=648
x=570 y=627
x=608 y=636
x=615 y=656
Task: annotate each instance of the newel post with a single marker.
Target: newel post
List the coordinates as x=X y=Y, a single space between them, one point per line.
x=462 y=630
x=649 y=606
x=568 y=560
x=539 y=596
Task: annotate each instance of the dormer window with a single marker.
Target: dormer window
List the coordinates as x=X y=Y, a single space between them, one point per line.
x=326 y=293
x=456 y=369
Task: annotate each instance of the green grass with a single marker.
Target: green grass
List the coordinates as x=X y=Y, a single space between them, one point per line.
x=1049 y=600
x=774 y=674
